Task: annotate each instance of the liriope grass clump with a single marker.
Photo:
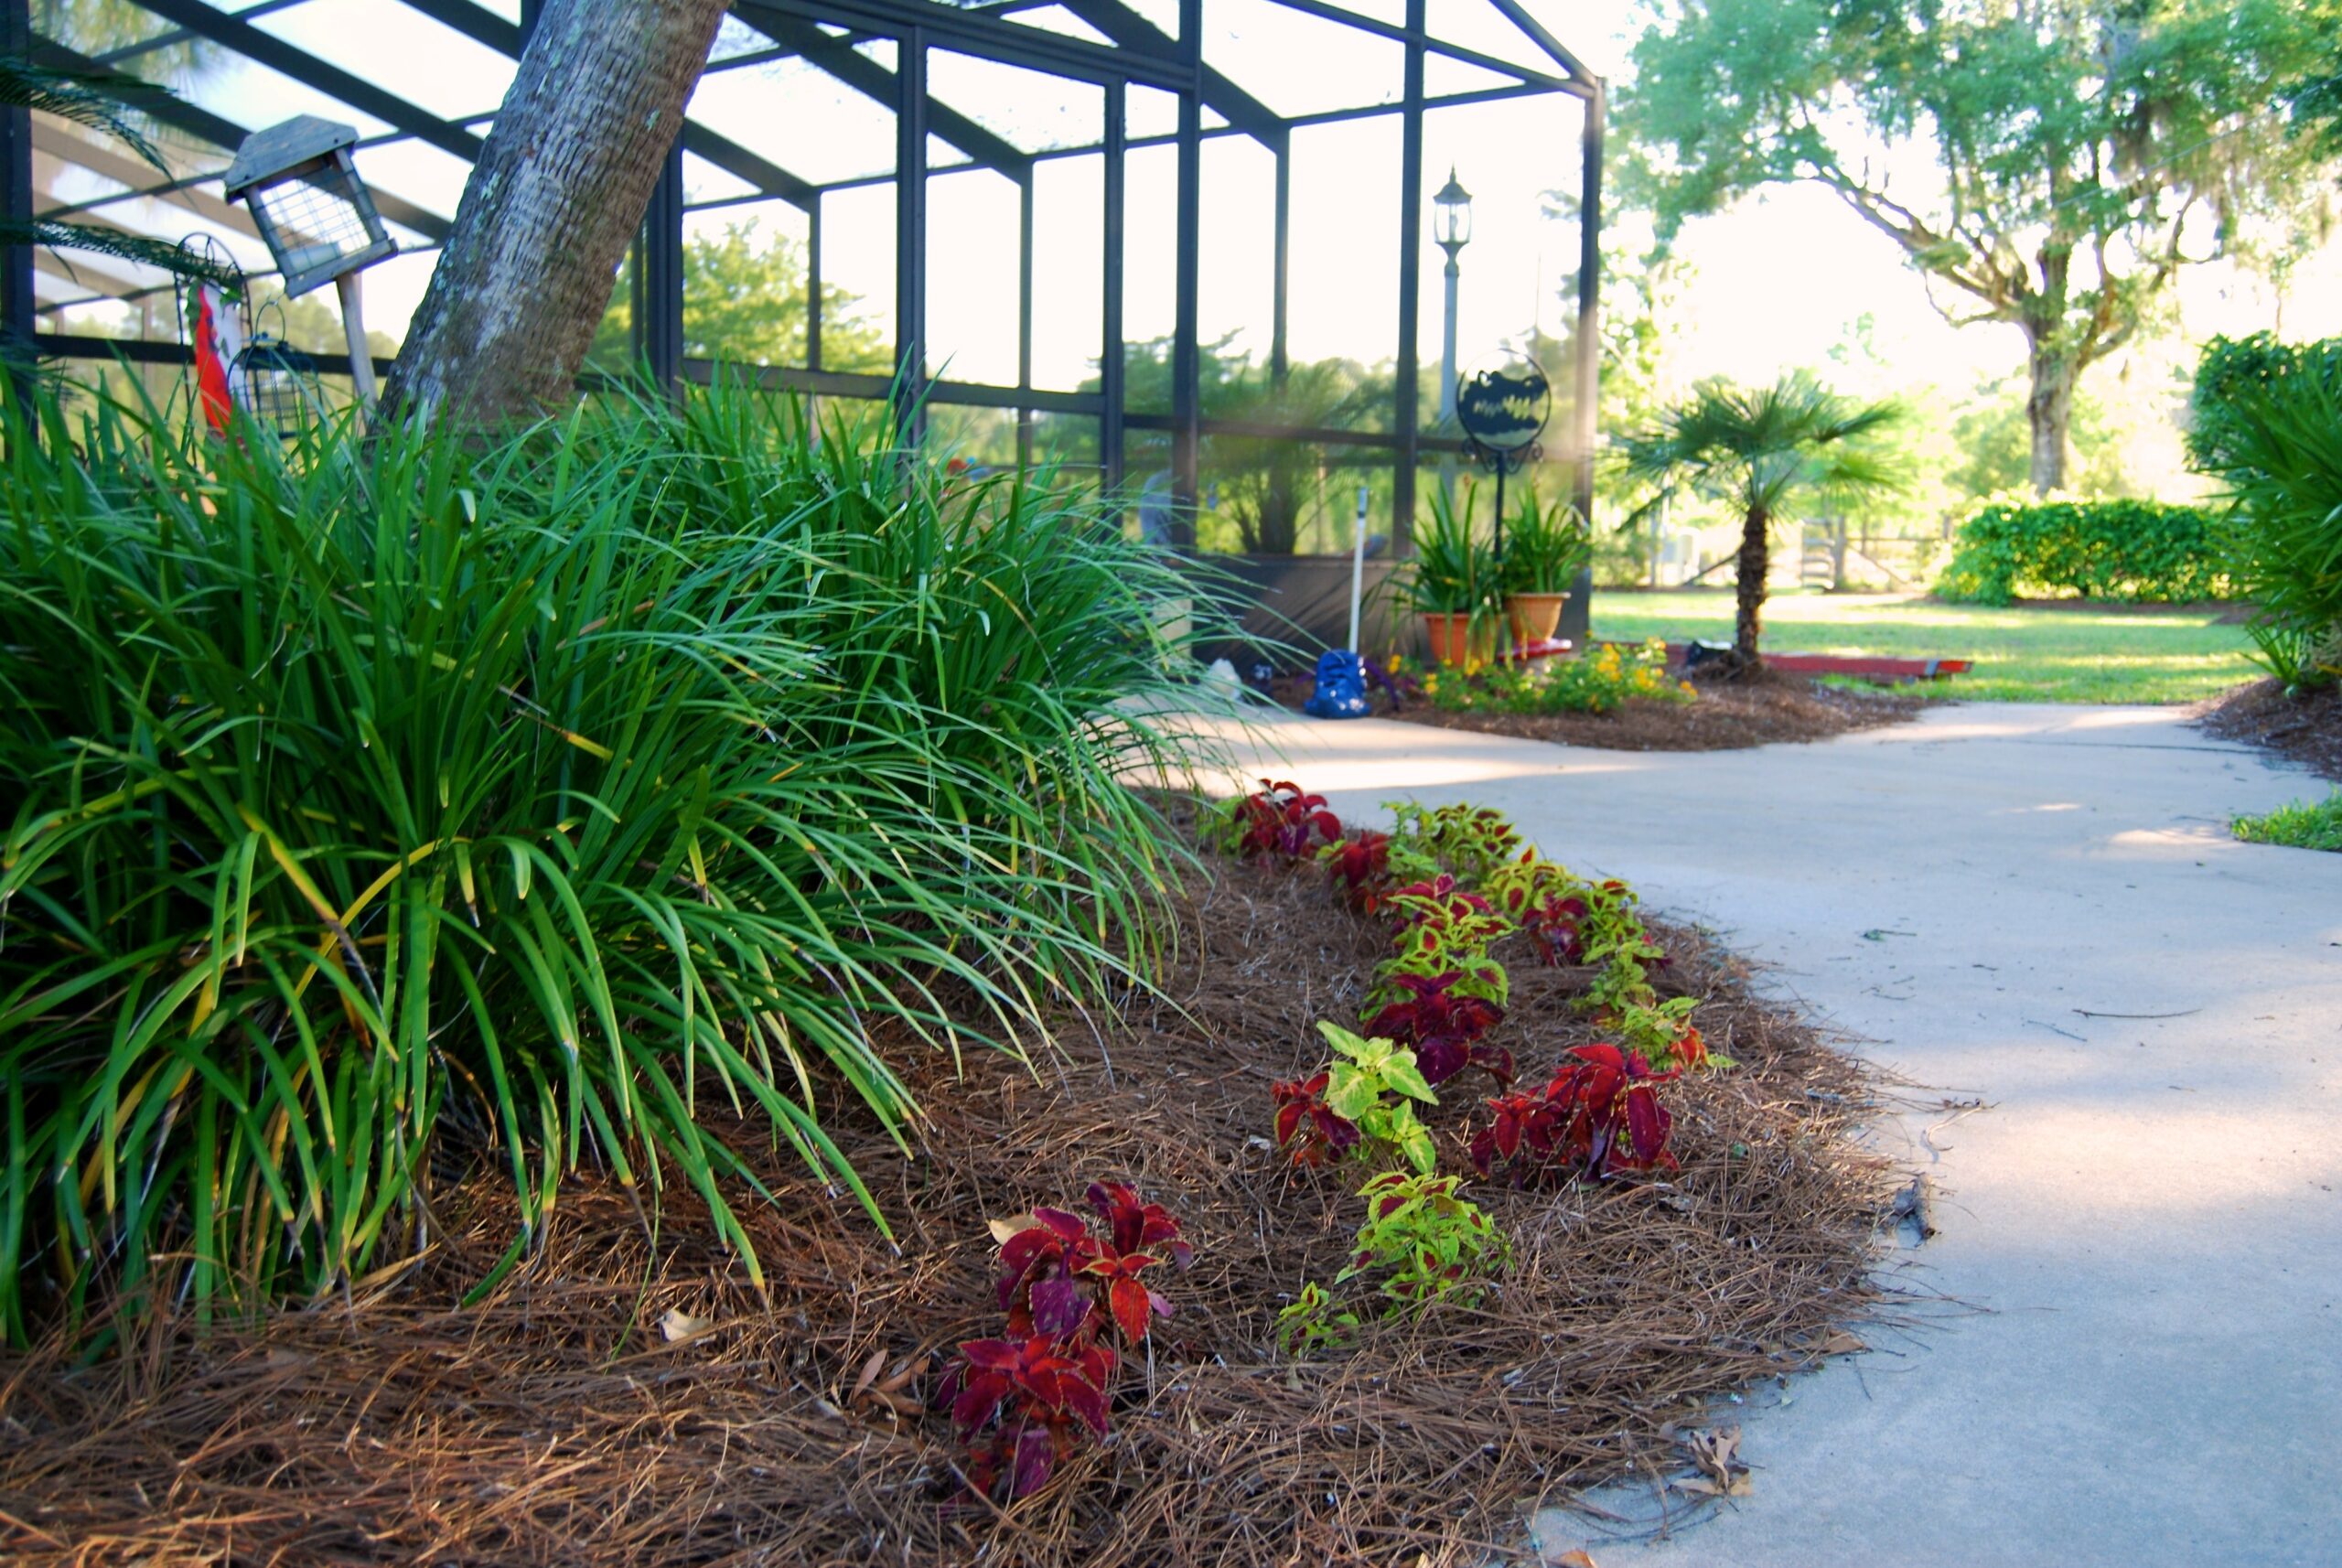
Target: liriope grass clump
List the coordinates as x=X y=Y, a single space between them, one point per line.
x=366 y=799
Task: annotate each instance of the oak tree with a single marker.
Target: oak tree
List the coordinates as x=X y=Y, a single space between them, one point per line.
x=2049 y=165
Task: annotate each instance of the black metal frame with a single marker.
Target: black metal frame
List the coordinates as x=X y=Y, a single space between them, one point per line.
x=1137 y=53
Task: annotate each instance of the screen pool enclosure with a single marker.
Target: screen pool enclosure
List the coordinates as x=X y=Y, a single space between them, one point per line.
x=1115 y=234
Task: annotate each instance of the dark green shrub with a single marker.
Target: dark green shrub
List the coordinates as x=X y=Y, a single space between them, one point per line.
x=2234 y=369
x=373 y=803
x=2146 y=552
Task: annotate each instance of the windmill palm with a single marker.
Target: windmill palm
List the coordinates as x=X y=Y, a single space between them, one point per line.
x=97 y=101
x=1761 y=450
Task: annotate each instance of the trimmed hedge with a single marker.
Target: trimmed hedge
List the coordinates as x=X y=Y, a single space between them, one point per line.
x=2144 y=551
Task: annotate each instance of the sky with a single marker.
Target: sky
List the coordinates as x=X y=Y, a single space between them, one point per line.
x=1778 y=281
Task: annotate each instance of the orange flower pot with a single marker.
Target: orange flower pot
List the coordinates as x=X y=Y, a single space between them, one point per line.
x=1455 y=641
x=1534 y=617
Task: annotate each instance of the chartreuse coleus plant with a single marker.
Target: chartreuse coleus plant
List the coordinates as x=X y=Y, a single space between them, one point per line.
x=1663 y=1035
x=1426 y=1243
x=1069 y=1293
x=1575 y=921
x=1358 y=1101
x=1314 y=1320
x=1371 y=1082
x=1544 y=899
x=1443 y=929
x=1468 y=840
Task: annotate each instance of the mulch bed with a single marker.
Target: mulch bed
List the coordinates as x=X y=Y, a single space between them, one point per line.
x=1731 y=712
x=554 y=1423
x=2306 y=729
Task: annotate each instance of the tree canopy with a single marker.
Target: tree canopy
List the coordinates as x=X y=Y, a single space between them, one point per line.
x=743 y=300
x=2051 y=164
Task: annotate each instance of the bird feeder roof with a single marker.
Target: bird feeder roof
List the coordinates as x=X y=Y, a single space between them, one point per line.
x=298 y=142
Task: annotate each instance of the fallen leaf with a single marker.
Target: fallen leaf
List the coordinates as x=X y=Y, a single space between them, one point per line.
x=1841 y=1343
x=679 y=1325
x=1001 y=1229
x=870 y=1370
x=903 y=1376
x=1570 y=1559
x=1717 y=1454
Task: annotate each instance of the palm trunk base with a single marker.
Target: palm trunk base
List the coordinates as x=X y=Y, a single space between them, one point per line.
x=1755 y=564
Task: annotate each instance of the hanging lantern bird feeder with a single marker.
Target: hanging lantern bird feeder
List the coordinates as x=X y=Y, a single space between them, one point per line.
x=315 y=217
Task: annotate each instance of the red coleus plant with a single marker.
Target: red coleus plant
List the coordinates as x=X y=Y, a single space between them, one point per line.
x=1061 y=1283
x=1360 y=866
x=1554 y=924
x=1278 y=823
x=1042 y=1391
x=1311 y=1130
x=1442 y=1025
x=1056 y=1275
x=1599 y=1115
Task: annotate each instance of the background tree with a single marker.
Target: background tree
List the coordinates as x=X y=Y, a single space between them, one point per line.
x=558 y=193
x=2076 y=154
x=743 y=300
x=1759 y=451
x=1267 y=492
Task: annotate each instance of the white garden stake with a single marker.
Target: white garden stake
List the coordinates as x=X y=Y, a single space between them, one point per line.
x=1357 y=568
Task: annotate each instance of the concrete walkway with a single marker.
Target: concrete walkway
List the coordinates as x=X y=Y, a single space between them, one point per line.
x=2147 y=1217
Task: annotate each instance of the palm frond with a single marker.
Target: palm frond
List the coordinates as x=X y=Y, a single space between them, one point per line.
x=170 y=257
x=93 y=99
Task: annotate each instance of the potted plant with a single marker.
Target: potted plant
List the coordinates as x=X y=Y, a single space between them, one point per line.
x=1452 y=583
x=1544 y=549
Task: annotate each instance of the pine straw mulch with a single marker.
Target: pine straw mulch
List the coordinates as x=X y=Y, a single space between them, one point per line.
x=1760 y=708
x=555 y=1423
x=2307 y=729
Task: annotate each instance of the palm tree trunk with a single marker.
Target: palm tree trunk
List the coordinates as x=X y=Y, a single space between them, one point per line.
x=1756 y=564
x=560 y=189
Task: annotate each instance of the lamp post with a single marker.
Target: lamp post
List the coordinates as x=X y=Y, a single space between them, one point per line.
x=317 y=218
x=1451 y=226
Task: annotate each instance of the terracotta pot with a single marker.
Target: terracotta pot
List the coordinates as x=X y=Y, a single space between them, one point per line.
x=1454 y=640
x=1533 y=616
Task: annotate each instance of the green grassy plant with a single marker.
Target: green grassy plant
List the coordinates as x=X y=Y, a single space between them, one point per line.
x=1454 y=570
x=2304 y=824
x=1544 y=546
x=529 y=796
x=2280 y=453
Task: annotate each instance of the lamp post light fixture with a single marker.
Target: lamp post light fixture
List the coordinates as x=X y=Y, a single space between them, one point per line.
x=1451 y=226
x=317 y=218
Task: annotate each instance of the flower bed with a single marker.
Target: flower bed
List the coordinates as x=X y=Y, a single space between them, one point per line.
x=629 y=1397
x=1598 y=709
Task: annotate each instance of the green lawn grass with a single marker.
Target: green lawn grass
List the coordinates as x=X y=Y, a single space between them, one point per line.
x=2025 y=655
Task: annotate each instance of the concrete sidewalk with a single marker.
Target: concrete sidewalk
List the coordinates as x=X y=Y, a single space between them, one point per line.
x=2147 y=1217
